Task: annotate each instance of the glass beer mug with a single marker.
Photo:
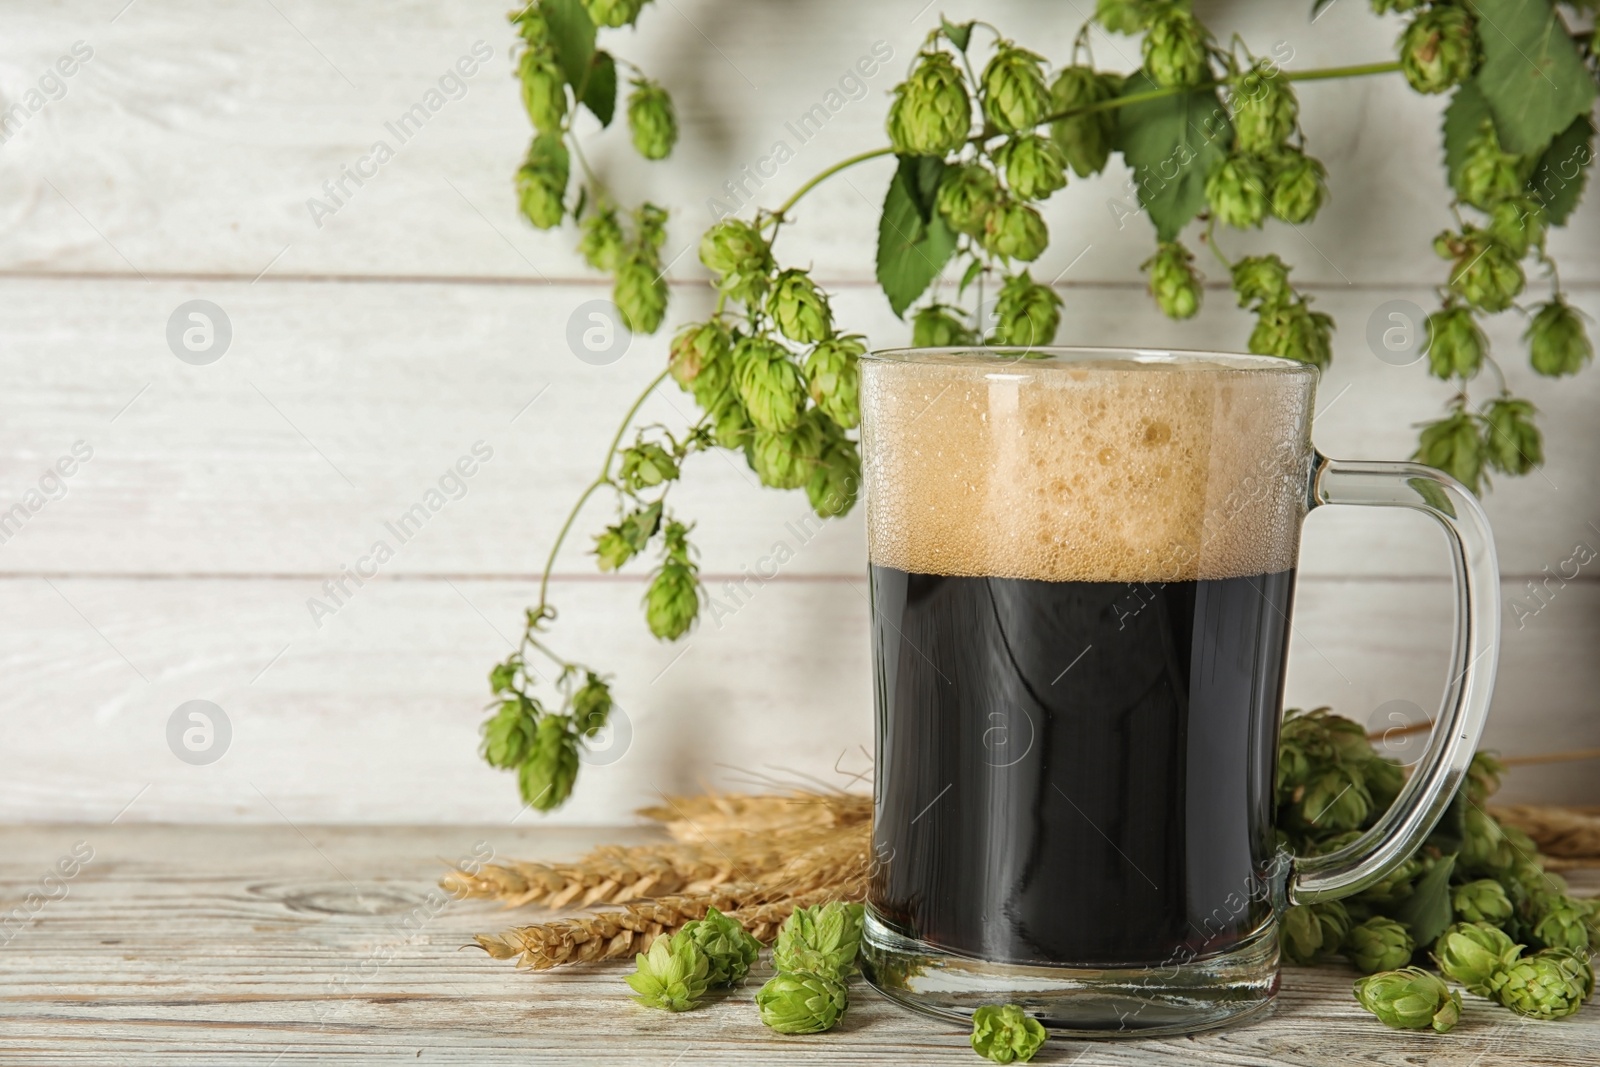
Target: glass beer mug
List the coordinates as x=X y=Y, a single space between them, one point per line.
x=1082 y=571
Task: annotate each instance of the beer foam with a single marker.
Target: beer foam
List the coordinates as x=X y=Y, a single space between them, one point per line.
x=1169 y=468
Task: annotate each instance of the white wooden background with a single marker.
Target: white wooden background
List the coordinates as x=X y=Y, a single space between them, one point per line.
x=368 y=354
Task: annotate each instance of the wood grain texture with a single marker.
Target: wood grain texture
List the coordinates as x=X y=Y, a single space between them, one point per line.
x=285 y=945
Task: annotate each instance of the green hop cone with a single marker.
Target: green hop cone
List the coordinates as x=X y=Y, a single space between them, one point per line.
x=1335 y=799
x=801 y=1003
x=1015 y=96
x=672 y=976
x=646 y=465
x=701 y=359
x=650 y=223
x=1454 y=446
x=1013 y=230
x=931 y=113
x=591 y=705
x=1484 y=846
x=740 y=257
x=1400 y=883
x=1034 y=165
x=1481 y=900
x=1518 y=223
x=1542 y=986
x=508 y=734
x=602 y=242
x=1512 y=443
x=799 y=308
x=1456 y=346
x=1006 y=1033
x=730 y=423
x=542 y=181
x=503 y=675
x=1173 y=280
x=822 y=940
x=1576 y=965
x=531 y=26
x=1487 y=174
x=614 y=13
x=620 y=543
x=1299 y=186
x=966 y=195
x=1409 y=999
x=1026 y=313
x=547 y=774
x=1484 y=270
x=1085 y=140
x=769 y=384
x=1557 y=342
x=833 y=376
x=1236 y=189
x=1472 y=953
x=935 y=327
x=1438 y=50
x=544 y=89
x=1293 y=331
x=1261 y=279
x=1265 y=111
x=1385 y=778
x=673 y=601
x=1383 y=7
x=1563 y=925
x=652 y=122
x=1483 y=776
x=1311 y=931
x=786 y=459
x=1379 y=944
x=728 y=948
x=1176 y=47
x=836 y=479
x=1122 y=16
x=640 y=292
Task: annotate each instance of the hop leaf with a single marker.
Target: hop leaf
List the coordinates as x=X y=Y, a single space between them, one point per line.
x=833 y=376
x=931 y=113
x=652 y=122
x=1438 y=49
x=701 y=360
x=1485 y=271
x=544 y=89
x=1472 y=953
x=602 y=241
x=835 y=481
x=799 y=308
x=801 y=1003
x=640 y=292
x=728 y=948
x=769 y=384
x=645 y=465
x=547 y=774
x=508 y=734
x=1487 y=174
x=1034 y=165
x=1085 y=140
x=1173 y=280
x=1176 y=47
x=591 y=705
x=741 y=258
x=614 y=13
x=542 y=181
x=1013 y=230
x=1261 y=280
x=935 y=327
x=1015 y=96
x=1006 y=1033
x=1557 y=341
x=822 y=940
x=966 y=195
x=786 y=459
x=1026 y=313
x=1545 y=985
x=503 y=676
x=1512 y=443
x=1456 y=345
x=1265 y=111
x=1452 y=445
x=1379 y=944
x=1236 y=189
x=672 y=976
x=1299 y=186
x=1409 y=999
x=620 y=543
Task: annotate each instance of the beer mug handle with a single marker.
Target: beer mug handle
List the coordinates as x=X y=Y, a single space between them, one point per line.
x=1454 y=738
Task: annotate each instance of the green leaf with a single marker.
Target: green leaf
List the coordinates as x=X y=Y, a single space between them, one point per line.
x=572 y=36
x=1462 y=120
x=1427 y=910
x=1171 y=143
x=911 y=251
x=1532 y=74
x=974 y=269
x=957 y=35
x=1559 y=175
x=599 y=93
x=924 y=173
x=1316 y=8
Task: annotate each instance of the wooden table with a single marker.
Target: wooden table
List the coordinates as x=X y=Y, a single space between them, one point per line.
x=284 y=945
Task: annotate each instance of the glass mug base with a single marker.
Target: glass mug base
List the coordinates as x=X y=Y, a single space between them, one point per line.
x=1130 y=1002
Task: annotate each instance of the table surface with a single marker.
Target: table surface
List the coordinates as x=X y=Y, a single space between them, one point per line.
x=287 y=945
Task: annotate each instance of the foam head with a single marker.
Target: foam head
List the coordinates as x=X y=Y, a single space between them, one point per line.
x=1084 y=466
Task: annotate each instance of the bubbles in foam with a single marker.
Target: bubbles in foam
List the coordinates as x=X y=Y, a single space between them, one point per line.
x=1084 y=471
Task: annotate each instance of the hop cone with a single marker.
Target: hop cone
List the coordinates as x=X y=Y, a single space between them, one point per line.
x=1542 y=986
x=799 y=307
x=1557 y=341
x=672 y=602
x=1483 y=777
x=1483 y=900
x=1383 y=7
x=1310 y=931
x=1518 y=223
x=702 y=359
x=730 y=423
x=1006 y=1033
x=1173 y=281
x=1384 y=778
x=640 y=293
x=544 y=89
x=834 y=378
x=672 y=976
x=801 y=1003
x=1488 y=174
x=591 y=705
x=531 y=26
x=786 y=460
x=1026 y=313
x=1472 y=953
x=822 y=940
x=728 y=948
x=935 y=327
x=1335 y=799
x=835 y=481
x=1452 y=445
x=620 y=543
x=613 y=13
x=1299 y=185
x=1512 y=443
x=1013 y=230
x=736 y=252
x=651 y=120
x=602 y=241
x=1034 y=165
x=1236 y=189
x=1438 y=50
x=1175 y=47
x=931 y=113
x=1409 y=999
x=542 y=181
x=1484 y=272
x=966 y=196
x=1085 y=140
x=1562 y=926
x=1015 y=96
x=1577 y=966
x=546 y=776
x=1397 y=885
x=645 y=466
x=508 y=734
x=1261 y=279
x=1484 y=846
x=1122 y=16
x=1456 y=345
x=1379 y=944
x=769 y=384
x=1264 y=112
